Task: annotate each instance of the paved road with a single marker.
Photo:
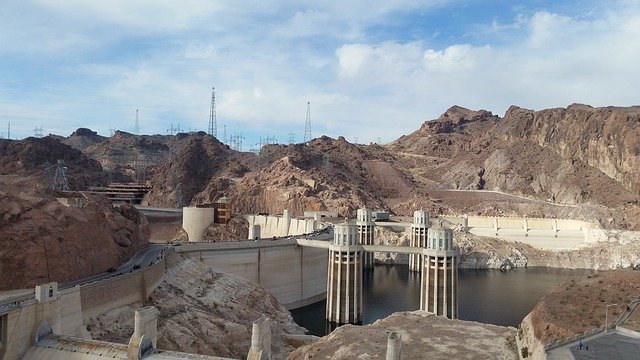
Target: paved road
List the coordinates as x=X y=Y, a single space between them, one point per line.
x=141 y=258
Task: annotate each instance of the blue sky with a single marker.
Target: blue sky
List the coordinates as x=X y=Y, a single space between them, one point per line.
x=371 y=69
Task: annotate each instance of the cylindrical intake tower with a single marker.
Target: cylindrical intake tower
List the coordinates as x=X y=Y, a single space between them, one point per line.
x=366 y=228
x=344 y=280
x=418 y=238
x=439 y=288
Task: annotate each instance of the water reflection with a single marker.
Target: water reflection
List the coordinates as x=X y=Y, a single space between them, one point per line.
x=489 y=296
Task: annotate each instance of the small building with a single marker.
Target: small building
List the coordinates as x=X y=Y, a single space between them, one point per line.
x=380 y=215
x=223 y=210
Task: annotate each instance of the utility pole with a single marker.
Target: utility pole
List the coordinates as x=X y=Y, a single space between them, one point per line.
x=9 y=131
x=213 y=122
x=307 y=124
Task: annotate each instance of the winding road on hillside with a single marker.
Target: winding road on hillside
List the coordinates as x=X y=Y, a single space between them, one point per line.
x=140 y=259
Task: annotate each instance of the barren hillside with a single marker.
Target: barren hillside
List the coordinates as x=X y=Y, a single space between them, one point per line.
x=60 y=243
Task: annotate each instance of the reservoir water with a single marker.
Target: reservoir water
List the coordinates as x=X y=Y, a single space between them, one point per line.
x=488 y=296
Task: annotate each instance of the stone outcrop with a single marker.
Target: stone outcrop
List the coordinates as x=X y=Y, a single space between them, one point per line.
x=42 y=240
x=201 y=161
x=423 y=336
x=204 y=311
x=35 y=159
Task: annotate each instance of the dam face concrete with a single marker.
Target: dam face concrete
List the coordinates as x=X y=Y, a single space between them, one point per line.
x=295 y=275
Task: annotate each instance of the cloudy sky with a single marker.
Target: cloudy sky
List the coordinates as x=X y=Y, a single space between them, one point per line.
x=371 y=69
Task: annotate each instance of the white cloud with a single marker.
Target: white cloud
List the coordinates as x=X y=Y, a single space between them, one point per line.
x=267 y=59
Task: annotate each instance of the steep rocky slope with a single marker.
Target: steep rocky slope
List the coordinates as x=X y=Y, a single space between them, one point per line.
x=523 y=154
x=325 y=174
x=204 y=311
x=203 y=163
x=578 y=305
x=42 y=240
x=35 y=158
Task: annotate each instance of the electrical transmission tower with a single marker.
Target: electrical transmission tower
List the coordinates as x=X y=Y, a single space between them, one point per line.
x=112 y=130
x=307 y=124
x=272 y=139
x=213 y=122
x=60 y=181
x=137 y=124
x=224 y=135
x=236 y=142
x=173 y=130
x=292 y=138
x=38 y=132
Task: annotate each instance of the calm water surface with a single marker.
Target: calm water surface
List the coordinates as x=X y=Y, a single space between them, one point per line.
x=489 y=296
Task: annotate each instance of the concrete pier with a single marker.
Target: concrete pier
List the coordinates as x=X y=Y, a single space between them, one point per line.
x=344 y=280
x=366 y=228
x=418 y=238
x=439 y=284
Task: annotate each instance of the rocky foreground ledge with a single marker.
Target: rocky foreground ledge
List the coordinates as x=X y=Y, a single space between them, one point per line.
x=424 y=336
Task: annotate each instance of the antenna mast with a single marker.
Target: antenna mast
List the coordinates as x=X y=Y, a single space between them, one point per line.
x=213 y=123
x=307 y=124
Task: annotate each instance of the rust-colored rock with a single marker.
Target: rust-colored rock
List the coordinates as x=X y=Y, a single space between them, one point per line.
x=42 y=240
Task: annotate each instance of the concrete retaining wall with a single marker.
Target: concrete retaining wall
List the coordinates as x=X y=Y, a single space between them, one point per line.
x=63 y=314
x=553 y=234
x=296 y=276
x=523 y=223
x=105 y=295
x=280 y=226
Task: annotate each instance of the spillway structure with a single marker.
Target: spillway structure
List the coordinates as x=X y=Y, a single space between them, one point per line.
x=344 y=276
x=366 y=227
x=439 y=283
x=419 y=229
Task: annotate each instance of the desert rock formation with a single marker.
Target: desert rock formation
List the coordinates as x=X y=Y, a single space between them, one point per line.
x=423 y=337
x=43 y=240
x=204 y=311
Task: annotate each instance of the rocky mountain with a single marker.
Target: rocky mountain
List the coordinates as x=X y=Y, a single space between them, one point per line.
x=82 y=139
x=203 y=162
x=56 y=242
x=35 y=158
x=559 y=155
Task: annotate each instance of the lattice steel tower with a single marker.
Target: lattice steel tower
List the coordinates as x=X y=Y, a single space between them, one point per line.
x=137 y=124
x=213 y=122
x=307 y=124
